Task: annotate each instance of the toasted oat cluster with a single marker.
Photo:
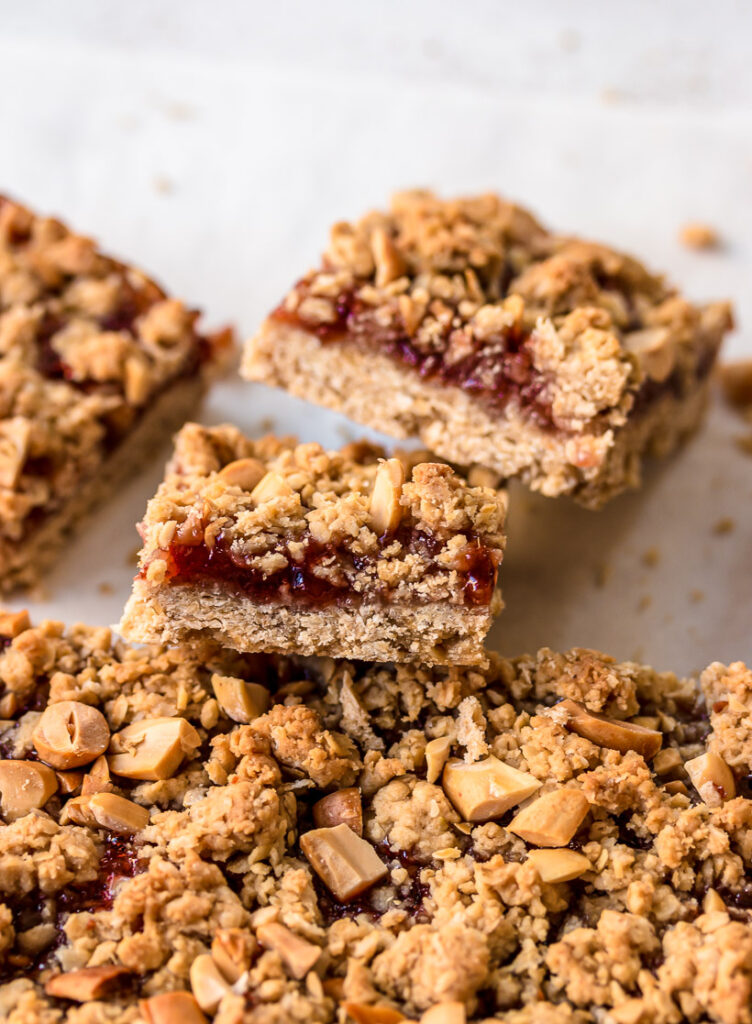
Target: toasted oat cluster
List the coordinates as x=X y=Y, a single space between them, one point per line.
x=496 y=340
x=192 y=835
x=91 y=351
x=276 y=538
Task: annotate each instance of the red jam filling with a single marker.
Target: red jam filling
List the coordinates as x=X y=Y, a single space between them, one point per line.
x=495 y=371
x=300 y=582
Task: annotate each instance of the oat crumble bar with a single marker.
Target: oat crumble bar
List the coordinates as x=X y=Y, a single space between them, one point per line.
x=556 y=839
x=466 y=323
x=97 y=366
x=269 y=545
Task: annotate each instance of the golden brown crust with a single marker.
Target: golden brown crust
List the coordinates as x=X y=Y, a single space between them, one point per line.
x=650 y=921
x=87 y=347
x=551 y=330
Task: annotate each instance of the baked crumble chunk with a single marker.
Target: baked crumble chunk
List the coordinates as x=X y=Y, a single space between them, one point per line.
x=269 y=545
x=193 y=835
x=468 y=324
x=97 y=366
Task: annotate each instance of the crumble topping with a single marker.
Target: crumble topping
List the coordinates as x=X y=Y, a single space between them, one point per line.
x=476 y=293
x=226 y=902
x=86 y=343
x=286 y=521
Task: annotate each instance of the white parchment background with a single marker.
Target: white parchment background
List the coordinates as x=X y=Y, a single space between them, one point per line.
x=213 y=143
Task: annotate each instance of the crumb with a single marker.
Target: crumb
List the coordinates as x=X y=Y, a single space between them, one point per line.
x=106 y=588
x=651 y=557
x=603 y=573
x=163 y=185
x=695 y=596
x=644 y=603
x=699 y=236
x=267 y=424
x=724 y=525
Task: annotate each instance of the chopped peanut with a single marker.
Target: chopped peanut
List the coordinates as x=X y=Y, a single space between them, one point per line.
x=558 y=865
x=364 y=1013
x=153 y=748
x=171 y=1008
x=486 y=789
x=343 y=807
x=240 y=701
x=97 y=779
x=385 y=508
x=389 y=262
x=13 y=623
x=118 y=814
x=271 y=486
x=609 y=732
x=296 y=954
x=87 y=983
x=666 y=761
x=207 y=983
x=712 y=778
x=243 y=473
x=347 y=864
x=24 y=786
x=69 y=782
x=70 y=734
x=445 y=1013
x=712 y=903
x=552 y=819
x=232 y=950
x=437 y=753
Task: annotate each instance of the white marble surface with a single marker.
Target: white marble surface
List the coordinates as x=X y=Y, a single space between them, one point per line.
x=214 y=143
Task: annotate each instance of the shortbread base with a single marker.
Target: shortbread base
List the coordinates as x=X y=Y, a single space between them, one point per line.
x=374 y=390
x=433 y=634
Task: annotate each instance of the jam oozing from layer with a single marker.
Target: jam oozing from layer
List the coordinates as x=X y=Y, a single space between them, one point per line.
x=120 y=860
x=495 y=371
x=302 y=582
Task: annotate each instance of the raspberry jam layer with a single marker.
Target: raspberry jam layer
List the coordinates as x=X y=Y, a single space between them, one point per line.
x=494 y=372
x=301 y=582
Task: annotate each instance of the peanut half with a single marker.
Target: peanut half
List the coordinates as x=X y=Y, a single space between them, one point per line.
x=345 y=863
x=343 y=807
x=609 y=732
x=24 y=786
x=552 y=819
x=242 y=473
x=70 y=734
x=271 y=486
x=385 y=509
x=118 y=814
x=486 y=789
x=558 y=865
x=152 y=749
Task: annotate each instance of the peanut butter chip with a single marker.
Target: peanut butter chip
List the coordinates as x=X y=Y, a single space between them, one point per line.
x=296 y=954
x=70 y=734
x=558 y=865
x=552 y=819
x=608 y=732
x=445 y=1013
x=172 y=1008
x=153 y=748
x=240 y=701
x=363 y=1013
x=345 y=863
x=243 y=473
x=118 y=814
x=385 y=508
x=343 y=807
x=24 y=786
x=86 y=984
x=712 y=778
x=486 y=789
x=208 y=986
